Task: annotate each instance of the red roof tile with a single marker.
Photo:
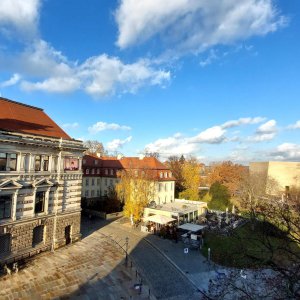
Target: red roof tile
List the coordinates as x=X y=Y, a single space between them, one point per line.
x=22 y=118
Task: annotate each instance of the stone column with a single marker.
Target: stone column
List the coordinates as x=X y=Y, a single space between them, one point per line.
x=14 y=205
x=47 y=200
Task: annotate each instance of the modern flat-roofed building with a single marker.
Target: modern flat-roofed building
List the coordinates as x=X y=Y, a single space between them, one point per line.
x=286 y=174
x=40 y=183
x=101 y=173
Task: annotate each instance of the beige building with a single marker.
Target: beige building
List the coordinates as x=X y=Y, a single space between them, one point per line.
x=286 y=174
x=40 y=183
x=100 y=174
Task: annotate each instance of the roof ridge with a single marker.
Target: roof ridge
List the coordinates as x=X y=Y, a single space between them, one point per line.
x=19 y=103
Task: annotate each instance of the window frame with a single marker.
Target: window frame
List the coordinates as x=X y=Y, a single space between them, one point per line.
x=2 y=215
x=37 y=203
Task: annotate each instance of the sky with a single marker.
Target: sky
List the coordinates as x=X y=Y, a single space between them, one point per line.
x=218 y=79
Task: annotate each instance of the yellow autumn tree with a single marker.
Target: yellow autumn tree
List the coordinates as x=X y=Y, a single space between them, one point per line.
x=136 y=188
x=191 y=179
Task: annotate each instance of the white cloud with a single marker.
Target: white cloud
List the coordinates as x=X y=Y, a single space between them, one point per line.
x=193 y=25
x=267 y=128
x=101 y=126
x=287 y=151
x=116 y=144
x=70 y=125
x=294 y=126
x=12 y=81
x=213 y=135
x=53 y=85
x=265 y=132
x=174 y=145
x=179 y=144
x=98 y=76
x=242 y=121
x=20 y=16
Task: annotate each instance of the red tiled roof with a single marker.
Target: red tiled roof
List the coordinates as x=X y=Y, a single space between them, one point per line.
x=22 y=118
x=147 y=163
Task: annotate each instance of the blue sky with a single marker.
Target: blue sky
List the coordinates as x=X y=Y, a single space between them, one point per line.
x=215 y=79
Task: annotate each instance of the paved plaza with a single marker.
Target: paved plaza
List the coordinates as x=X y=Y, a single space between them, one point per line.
x=90 y=269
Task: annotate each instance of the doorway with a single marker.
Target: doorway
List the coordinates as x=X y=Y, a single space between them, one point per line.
x=68 y=234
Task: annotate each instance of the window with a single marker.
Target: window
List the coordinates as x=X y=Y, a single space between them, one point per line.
x=84 y=161
x=71 y=164
x=111 y=182
x=5 y=207
x=38 y=235
x=98 y=193
x=166 y=174
x=159 y=187
x=5 y=243
x=45 y=163
x=170 y=174
x=8 y=162
x=98 y=181
x=92 y=193
x=98 y=171
x=37 y=163
x=39 y=202
x=105 y=181
x=12 y=165
x=96 y=162
x=161 y=174
x=87 y=171
x=86 y=193
x=111 y=172
x=93 y=181
x=3 y=161
x=93 y=171
x=106 y=172
x=165 y=199
x=86 y=181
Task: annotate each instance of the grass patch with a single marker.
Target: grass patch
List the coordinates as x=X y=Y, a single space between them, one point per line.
x=247 y=248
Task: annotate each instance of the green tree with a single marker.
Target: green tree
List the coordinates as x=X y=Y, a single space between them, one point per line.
x=220 y=197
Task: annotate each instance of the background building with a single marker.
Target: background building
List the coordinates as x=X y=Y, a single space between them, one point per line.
x=40 y=182
x=100 y=175
x=286 y=174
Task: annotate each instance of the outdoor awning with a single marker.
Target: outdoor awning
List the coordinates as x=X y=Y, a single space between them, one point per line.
x=159 y=219
x=191 y=227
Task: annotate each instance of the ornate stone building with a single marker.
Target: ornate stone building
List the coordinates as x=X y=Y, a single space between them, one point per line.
x=40 y=183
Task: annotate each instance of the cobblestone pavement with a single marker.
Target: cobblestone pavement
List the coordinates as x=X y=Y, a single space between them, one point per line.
x=165 y=280
x=90 y=269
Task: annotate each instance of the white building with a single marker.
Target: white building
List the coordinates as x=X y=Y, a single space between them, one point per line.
x=40 y=183
x=100 y=174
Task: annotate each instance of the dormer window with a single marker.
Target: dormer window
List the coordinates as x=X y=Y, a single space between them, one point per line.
x=161 y=174
x=87 y=171
x=111 y=172
x=166 y=174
